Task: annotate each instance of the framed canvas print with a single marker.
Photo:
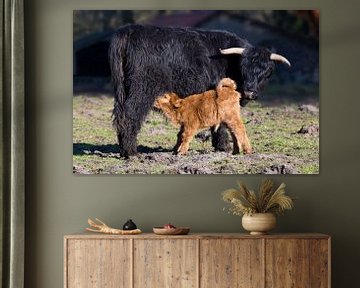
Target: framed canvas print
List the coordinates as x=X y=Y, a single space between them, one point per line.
x=195 y=92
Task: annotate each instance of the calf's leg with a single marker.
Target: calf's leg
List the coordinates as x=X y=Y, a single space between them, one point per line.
x=240 y=137
x=186 y=136
x=179 y=139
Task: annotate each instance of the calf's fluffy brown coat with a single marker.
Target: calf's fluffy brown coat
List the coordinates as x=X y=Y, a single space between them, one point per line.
x=206 y=110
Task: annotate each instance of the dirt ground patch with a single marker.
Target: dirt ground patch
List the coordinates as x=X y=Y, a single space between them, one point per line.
x=285 y=139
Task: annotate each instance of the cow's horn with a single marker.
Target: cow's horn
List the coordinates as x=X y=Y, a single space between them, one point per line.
x=277 y=57
x=233 y=50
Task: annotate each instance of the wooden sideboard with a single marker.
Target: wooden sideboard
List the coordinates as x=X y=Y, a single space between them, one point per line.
x=197 y=260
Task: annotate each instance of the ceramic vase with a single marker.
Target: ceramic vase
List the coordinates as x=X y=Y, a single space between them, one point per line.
x=259 y=223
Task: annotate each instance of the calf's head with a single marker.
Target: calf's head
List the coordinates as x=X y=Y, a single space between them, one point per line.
x=257 y=65
x=169 y=101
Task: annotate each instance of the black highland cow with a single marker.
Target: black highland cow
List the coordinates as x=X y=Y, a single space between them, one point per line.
x=148 y=61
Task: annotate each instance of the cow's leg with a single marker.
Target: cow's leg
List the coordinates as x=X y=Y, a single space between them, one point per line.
x=127 y=130
x=136 y=108
x=220 y=138
x=236 y=148
x=127 y=137
x=140 y=97
x=121 y=123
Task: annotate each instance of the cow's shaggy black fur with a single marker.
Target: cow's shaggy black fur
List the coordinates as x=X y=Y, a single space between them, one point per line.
x=148 y=61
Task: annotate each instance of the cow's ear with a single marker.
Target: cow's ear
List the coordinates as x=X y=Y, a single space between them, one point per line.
x=271 y=48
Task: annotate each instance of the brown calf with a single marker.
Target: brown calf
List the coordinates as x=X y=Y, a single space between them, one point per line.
x=206 y=110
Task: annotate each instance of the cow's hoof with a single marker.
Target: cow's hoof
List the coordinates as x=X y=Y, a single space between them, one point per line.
x=127 y=155
x=223 y=148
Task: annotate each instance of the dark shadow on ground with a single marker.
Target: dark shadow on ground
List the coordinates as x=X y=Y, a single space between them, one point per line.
x=85 y=148
x=88 y=149
x=144 y=149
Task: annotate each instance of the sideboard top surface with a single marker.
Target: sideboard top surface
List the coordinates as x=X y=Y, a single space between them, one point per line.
x=87 y=235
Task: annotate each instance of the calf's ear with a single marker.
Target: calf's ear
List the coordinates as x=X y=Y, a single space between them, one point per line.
x=177 y=103
x=157 y=104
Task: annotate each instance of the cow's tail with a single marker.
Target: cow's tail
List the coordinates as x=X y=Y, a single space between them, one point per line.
x=117 y=52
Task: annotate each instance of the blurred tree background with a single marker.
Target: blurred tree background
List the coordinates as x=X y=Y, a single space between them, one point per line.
x=301 y=23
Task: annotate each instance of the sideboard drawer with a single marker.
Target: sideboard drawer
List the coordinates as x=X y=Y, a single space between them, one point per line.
x=98 y=263
x=297 y=263
x=165 y=263
x=231 y=263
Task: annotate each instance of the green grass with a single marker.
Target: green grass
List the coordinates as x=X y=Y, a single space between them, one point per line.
x=272 y=130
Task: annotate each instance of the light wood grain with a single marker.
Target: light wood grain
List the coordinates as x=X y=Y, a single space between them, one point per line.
x=203 y=260
x=231 y=263
x=98 y=263
x=165 y=263
x=287 y=263
x=319 y=263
